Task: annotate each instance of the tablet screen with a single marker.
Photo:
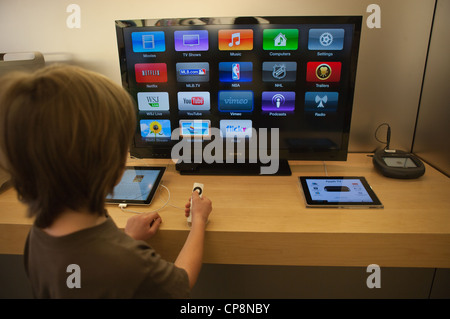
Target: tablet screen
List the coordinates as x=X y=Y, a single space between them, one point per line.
x=338 y=191
x=137 y=186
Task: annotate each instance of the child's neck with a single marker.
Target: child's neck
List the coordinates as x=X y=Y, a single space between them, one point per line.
x=71 y=221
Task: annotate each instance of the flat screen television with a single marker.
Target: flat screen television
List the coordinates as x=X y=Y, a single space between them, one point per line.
x=222 y=95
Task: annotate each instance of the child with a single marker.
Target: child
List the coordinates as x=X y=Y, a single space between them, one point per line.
x=64 y=138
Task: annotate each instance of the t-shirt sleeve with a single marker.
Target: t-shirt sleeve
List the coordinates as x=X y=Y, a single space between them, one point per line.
x=163 y=280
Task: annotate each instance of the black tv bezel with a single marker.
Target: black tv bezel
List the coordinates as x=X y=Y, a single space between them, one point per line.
x=164 y=151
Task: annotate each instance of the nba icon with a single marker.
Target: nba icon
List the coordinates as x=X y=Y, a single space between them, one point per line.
x=235 y=71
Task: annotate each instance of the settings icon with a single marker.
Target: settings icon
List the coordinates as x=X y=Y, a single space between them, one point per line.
x=326 y=39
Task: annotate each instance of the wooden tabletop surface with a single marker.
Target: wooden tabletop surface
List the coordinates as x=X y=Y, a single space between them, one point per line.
x=263 y=219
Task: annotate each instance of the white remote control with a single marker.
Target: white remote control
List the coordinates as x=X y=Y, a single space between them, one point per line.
x=199 y=189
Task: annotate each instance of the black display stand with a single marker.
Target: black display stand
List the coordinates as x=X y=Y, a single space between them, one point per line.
x=242 y=169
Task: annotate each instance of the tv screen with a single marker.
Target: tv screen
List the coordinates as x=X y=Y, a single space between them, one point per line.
x=289 y=80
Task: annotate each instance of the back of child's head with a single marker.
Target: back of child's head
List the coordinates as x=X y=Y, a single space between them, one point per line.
x=64 y=138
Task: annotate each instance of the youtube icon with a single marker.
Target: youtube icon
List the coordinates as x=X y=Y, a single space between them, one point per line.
x=197 y=100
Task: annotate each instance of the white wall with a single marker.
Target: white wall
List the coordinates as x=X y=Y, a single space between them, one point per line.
x=432 y=134
x=390 y=66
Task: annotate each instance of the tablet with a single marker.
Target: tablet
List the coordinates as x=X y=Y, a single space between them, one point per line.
x=343 y=192
x=137 y=186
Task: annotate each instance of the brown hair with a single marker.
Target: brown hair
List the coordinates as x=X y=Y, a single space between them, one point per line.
x=64 y=134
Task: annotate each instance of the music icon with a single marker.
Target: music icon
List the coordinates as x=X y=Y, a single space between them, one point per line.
x=236 y=39
x=235 y=36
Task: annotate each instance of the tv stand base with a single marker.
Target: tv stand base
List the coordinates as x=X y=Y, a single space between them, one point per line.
x=243 y=169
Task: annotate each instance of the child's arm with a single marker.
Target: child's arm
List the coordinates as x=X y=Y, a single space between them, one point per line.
x=143 y=226
x=191 y=255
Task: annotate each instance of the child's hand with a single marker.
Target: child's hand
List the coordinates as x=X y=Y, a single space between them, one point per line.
x=201 y=208
x=143 y=226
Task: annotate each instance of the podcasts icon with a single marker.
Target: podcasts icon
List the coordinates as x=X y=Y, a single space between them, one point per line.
x=278 y=101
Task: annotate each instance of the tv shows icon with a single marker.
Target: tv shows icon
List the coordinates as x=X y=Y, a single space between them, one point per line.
x=192 y=40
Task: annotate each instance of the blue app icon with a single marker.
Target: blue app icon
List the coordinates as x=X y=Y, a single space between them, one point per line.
x=235 y=101
x=155 y=130
x=235 y=71
x=148 y=41
x=326 y=39
x=321 y=101
x=195 y=128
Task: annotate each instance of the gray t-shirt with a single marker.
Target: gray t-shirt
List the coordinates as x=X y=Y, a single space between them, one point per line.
x=107 y=264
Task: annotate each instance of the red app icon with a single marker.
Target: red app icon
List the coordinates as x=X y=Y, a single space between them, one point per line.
x=197 y=100
x=150 y=72
x=323 y=72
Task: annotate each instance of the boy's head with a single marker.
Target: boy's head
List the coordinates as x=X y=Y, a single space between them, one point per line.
x=64 y=138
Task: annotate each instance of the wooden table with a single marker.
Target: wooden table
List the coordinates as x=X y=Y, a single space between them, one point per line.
x=263 y=220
